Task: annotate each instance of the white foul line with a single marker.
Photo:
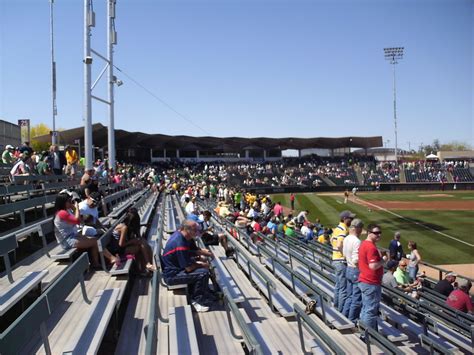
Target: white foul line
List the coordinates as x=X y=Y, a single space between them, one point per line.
x=418 y=223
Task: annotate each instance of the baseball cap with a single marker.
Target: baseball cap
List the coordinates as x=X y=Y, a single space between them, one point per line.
x=453 y=274
x=9 y=146
x=397 y=235
x=357 y=223
x=391 y=264
x=464 y=283
x=347 y=214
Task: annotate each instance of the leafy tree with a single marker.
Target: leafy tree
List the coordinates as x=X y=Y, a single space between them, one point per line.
x=40 y=129
x=455 y=145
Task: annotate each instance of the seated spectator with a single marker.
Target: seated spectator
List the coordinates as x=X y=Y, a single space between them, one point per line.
x=211 y=237
x=324 y=236
x=388 y=278
x=307 y=231
x=21 y=167
x=459 y=299
x=43 y=168
x=126 y=240
x=445 y=286
x=89 y=206
x=290 y=229
x=66 y=220
x=182 y=265
x=7 y=155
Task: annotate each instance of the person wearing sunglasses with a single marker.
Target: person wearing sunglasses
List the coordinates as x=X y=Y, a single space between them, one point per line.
x=371 y=264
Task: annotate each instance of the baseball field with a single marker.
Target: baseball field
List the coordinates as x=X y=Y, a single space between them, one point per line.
x=441 y=223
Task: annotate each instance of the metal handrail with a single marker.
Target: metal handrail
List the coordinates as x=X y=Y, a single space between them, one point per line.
x=372 y=336
x=328 y=343
x=247 y=336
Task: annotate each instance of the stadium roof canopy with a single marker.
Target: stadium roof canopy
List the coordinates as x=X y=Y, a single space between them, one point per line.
x=125 y=140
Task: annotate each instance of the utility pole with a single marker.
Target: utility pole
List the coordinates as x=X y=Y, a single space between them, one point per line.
x=393 y=54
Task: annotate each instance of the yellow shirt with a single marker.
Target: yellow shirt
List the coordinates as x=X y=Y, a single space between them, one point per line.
x=71 y=156
x=338 y=235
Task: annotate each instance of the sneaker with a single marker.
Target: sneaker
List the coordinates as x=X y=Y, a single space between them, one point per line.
x=199 y=307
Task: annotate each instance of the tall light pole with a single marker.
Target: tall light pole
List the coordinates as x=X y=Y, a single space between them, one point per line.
x=53 y=72
x=393 y=54
x=89 y=21
x=111 y=40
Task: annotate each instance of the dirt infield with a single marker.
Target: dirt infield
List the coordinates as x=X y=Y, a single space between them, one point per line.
x=420 y=205
x=460 y=269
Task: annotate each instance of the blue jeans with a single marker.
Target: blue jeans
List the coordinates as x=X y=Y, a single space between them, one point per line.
x=197 y=281
x=353 y=302
x=340 y=286
x=371 y=295
x=412 y=271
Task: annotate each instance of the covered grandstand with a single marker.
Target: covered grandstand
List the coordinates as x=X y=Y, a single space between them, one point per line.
x=144 y=147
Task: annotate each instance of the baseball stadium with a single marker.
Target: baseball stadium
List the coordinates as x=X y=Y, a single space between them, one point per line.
x=288 y=214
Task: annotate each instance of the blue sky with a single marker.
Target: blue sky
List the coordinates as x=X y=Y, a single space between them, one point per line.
x=252 y=68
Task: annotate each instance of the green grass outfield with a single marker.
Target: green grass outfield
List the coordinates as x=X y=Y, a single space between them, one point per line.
x=456 y=246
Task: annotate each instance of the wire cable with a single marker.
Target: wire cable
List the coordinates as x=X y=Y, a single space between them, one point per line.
x=161 y=100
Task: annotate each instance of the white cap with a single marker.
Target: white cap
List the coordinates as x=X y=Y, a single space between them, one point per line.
x=9 y=146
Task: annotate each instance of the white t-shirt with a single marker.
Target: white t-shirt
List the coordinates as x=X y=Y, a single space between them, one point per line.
x=350 y=250
x=85 y=209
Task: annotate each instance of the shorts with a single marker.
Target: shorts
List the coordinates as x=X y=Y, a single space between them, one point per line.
x=114 y=248
x=69 y=242
x=71 y=169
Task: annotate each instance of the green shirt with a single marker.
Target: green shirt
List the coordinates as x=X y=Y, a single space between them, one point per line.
x=290 y=232
x=402 y=277
x=7 y=157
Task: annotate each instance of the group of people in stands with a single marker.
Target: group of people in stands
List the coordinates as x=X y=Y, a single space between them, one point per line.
x=77 y=225
x=359 y=264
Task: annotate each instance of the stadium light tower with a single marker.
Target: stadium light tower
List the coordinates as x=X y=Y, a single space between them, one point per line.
x=394 y=54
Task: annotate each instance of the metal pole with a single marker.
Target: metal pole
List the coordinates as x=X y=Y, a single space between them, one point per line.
x=53 y=71
x=110 y=45
x=395 y=112
x=87 y=113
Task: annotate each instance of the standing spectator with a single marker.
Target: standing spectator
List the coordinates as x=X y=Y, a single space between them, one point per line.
x=292 y=201
x=278 y=210
x=302 y=217
x=71 y=159
x=415 y=259
x=353 y=302
x=370 y=279
x=459 y=299
x=395 y=248
x=445 y=286
x=7 y=155
x=181 y=264
x=337 y=242
x=58 y=160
